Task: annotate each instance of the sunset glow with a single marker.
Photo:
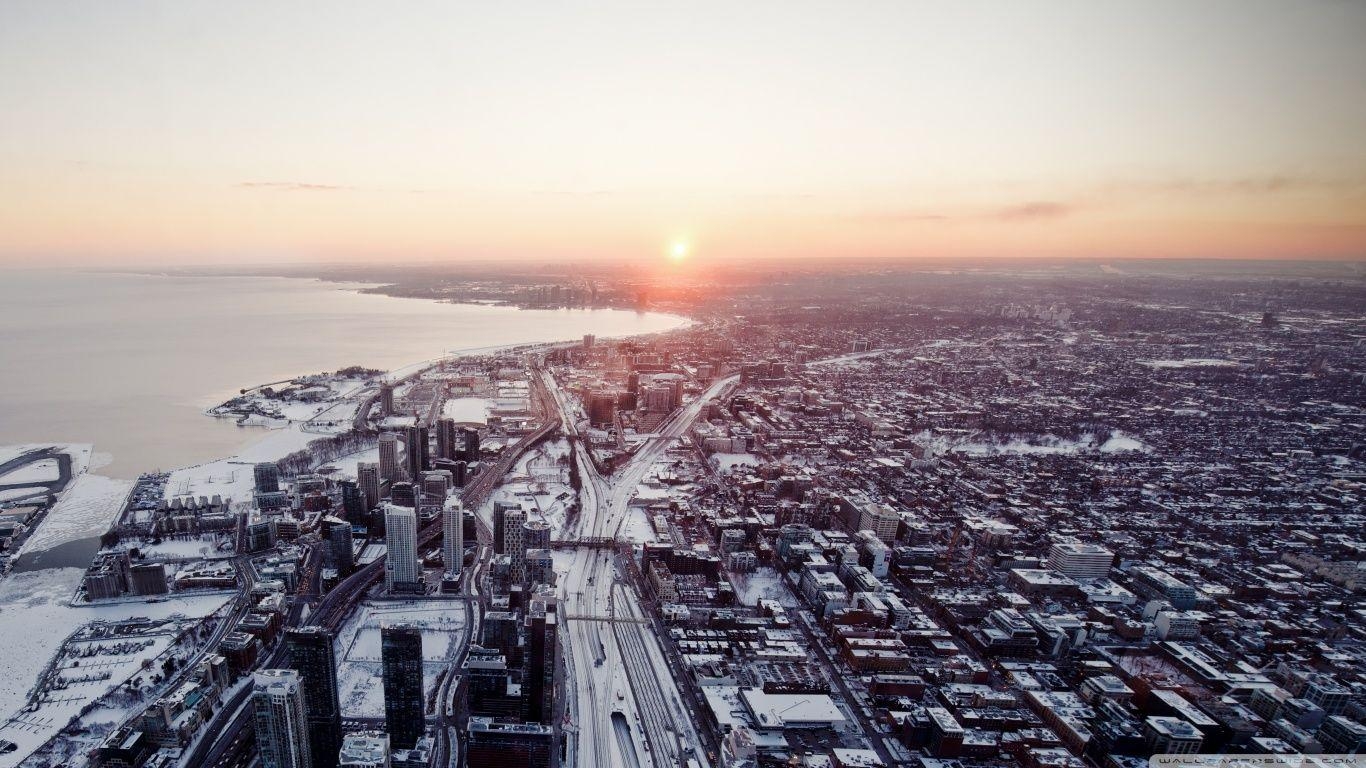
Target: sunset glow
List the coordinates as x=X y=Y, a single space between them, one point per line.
x=199 y=133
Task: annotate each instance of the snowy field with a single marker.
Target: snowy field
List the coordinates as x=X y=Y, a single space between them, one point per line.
x=539 y=482
x=728 y=463
x=231 y=478
x=1116 y=442
x=467 y=410
x=359 y=680
x=1191 y=362
x=763 y=584
x=84 y=510
x=42 y=599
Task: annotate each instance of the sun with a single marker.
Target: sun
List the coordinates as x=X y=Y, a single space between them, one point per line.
x=678 y=250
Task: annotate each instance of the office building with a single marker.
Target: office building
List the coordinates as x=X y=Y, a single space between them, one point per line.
x=447 y=437
x=509 y=745
x=1157 y=584
x=882 y=520
x=148 y=579
x=281 y=722
x=471 y=445
x=1080 y=561
x=535 y=534
x=267 y=477
x=365 y=749
x=401 y=663
x=386 y=399
x=538 y=684
x=389 y=468
x=404 y=494
x=415 y=451
x=1172 y=736
x=436 y=486
x=513 y=544
x=453 y=539
x=402 y=568
x=311 y=654
x=367 y=479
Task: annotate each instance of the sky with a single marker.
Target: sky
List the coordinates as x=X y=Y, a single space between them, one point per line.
x=185 y=132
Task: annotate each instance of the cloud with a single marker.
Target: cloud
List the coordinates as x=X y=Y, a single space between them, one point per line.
x=1034 y=210
x=291 y=186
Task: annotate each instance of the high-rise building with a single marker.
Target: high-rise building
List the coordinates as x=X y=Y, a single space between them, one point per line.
x=602 y=408
x=536 y=534
x=1080 y=561
x=513 y=544
x=386 y=399
x=453 y=538
x=436 y=485
x=446 y=438
x=401 y=662
x=488 y=685
x=511 y=745
x=367 y=478
x=339 y=547
x=402 y=569
x=471 y=445
x=539 y=682
x=415 y=451
x=882 y=520
x=267 y=476
x=277 y=699
x=389 y=468
x=365 y=749
x=404 y=494
x=311 y=654
x=352 y=501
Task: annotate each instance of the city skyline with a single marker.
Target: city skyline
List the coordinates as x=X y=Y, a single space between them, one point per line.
x=188 y=134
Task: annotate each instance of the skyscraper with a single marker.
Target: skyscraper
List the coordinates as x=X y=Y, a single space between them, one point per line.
x=453 y=538
x=353 y=501
x=386 y=399
x=311 y=655
x=389 y=468
x=401 y=660
x=415 y=451
x=339 y=547
x=513 y=544
x=446 y=435
x=471 y=445
x=436 y=484
x=277 y=699
x=368 y=477
x=267 y=477
x=402 y=571
x=539 y=681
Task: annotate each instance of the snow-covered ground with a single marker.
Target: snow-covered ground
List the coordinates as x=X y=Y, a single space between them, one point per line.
x=1191 y=362
x=766 y=584
x=1038 y=444
x=186 y=548
x=83 y=456
x=42 y=599
x=468 y=410
x=42 y=471
x=84 y=510
x=231 y=478
x=346 y=465
x=359 y=679
x=726 y=463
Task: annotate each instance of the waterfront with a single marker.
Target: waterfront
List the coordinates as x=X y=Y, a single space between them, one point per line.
x=130 y=362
